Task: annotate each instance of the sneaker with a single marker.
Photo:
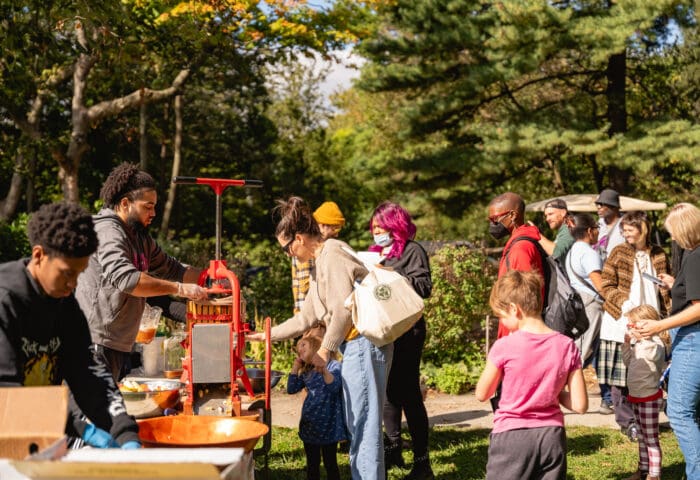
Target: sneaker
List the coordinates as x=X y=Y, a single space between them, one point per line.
x=606 y=408
x=632 y=433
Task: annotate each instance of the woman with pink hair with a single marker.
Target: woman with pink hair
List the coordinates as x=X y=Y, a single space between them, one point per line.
x=393 y=232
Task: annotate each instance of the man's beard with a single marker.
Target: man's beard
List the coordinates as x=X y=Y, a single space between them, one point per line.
x=609 y=217
x=136 y=224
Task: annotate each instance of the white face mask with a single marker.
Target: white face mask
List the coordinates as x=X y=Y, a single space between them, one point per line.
x=383 y=239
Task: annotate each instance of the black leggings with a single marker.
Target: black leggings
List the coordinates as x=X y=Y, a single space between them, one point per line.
x=313 y=461
x=403 y=391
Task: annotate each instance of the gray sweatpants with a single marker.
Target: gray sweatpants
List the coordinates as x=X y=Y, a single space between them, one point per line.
x=588 y=342
x=527 y=453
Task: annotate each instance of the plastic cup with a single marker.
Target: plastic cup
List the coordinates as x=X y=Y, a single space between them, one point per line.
x=149 y=324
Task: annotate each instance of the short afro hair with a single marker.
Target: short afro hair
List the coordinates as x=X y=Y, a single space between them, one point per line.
x=63 y=229
x=126 y=180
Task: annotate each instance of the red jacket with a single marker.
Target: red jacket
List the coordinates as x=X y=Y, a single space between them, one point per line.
x=523 y=256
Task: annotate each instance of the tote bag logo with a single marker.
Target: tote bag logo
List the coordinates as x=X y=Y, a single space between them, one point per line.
x=382 y=292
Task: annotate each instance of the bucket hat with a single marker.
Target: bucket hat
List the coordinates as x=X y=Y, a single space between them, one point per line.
x=609 y=197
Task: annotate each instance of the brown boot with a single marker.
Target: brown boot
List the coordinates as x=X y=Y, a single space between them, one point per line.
x=649 y=477
x=638 y=475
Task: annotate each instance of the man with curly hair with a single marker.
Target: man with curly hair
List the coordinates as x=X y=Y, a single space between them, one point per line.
x=44 y=336
x=128 y=267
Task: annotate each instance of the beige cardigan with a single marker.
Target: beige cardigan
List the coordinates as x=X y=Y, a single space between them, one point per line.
x=332 y=281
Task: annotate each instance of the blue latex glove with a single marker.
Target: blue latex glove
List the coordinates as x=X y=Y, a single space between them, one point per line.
x=98 y=438
x=131 y=445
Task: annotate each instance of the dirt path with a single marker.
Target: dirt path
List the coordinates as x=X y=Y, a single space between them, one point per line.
x=455 y=410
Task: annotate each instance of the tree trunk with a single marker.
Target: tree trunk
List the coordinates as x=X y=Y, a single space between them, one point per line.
x=597 y=175
x=82 y=118
x=177 y=158
x=617 y=113
x=617 y=107
x=8 y=206
x=143 y=139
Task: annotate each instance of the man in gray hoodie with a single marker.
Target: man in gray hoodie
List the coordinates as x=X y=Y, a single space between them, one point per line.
x=127 y=267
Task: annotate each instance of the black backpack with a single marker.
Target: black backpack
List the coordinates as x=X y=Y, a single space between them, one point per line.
x=563 y=308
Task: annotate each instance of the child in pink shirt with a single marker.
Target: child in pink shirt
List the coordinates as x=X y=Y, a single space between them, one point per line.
x=539 y=369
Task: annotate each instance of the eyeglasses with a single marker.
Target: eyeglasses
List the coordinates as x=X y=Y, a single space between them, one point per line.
x=495 y=218
x=286 y=248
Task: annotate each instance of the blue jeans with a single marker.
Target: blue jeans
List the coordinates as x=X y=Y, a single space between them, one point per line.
x=684 y=396
x=365 y=370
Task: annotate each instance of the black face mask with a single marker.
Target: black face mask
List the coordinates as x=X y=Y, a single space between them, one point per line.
x=498 y=230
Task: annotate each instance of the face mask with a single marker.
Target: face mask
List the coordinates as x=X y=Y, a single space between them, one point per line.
x=383 y=239
x=498 y=230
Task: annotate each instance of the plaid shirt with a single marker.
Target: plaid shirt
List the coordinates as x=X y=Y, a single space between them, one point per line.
x=301 y=276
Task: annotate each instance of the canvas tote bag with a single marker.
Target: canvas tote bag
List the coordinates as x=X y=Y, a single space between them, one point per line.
x=384 y=305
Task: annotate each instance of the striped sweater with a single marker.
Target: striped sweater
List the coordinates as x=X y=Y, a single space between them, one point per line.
x=618 y=271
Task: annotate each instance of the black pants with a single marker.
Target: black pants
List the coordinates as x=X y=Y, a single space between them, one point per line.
x=403 y=392
x=313 y=461
x=119 y=363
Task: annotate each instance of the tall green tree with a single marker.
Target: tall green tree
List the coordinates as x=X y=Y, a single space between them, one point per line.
x=552 y=97
x=69 y=66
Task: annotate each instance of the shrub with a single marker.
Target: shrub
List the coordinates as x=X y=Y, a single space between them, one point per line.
x=453 y=378
x=456 y=311
x=14 y=243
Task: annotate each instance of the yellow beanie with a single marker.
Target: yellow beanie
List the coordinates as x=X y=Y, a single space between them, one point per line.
x=329 y=214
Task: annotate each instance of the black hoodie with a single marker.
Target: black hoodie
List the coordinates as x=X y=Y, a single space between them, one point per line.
x=46 y=340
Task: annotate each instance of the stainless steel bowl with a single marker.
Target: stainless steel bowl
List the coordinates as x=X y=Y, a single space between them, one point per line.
x=257 y=379
x=161 y=394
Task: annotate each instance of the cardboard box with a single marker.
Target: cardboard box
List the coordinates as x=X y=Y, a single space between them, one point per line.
x=34 y=419
x=31 y=419
x=146 y=463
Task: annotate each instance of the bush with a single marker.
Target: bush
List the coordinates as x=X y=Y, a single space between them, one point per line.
x=14 y=243
x=453 y=378
x=456 y=311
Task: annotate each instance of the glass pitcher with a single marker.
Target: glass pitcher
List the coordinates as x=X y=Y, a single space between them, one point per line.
x=174 y=353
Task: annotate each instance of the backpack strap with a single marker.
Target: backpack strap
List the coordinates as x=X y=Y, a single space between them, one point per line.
x=543 y=256
x=579 y=277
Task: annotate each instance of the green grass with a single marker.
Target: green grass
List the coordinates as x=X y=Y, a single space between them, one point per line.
x=594 y=453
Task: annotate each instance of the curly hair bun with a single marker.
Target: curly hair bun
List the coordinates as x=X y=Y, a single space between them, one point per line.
x=63 y=229
x=124 y=181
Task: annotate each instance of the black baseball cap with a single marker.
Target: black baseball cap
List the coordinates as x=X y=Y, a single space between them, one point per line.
x=556 y=203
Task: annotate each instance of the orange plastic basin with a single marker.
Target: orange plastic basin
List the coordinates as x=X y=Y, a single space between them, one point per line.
x=200 y=431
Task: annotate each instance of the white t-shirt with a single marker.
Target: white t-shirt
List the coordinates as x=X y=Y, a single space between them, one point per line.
x=581 y=261
x=613 y=234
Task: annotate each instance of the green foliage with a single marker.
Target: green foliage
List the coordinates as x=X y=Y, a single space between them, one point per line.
x=14 y=243
x=456 y=311
x=450 y=378
x=462 y=101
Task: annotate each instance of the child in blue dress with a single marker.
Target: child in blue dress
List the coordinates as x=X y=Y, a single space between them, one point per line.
x=321 y=426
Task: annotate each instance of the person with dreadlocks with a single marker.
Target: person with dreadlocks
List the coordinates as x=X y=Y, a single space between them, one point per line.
x=44 y=336
x=128 y=267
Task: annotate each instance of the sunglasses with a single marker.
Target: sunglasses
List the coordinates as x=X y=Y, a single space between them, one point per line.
x=288 y=245
x=495 y=218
